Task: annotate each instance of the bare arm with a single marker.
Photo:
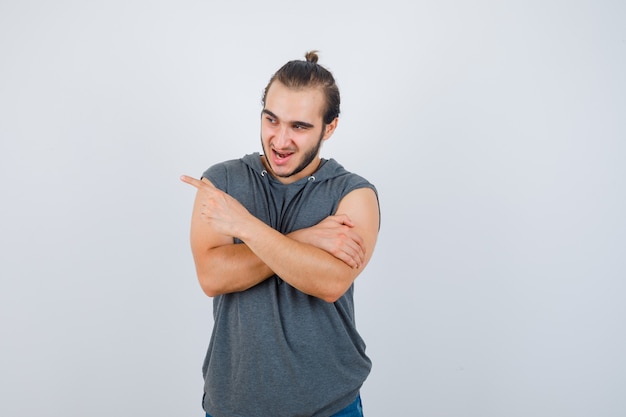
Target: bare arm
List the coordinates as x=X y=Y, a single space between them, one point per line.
x=221 y=265
x=308 y=268
x=321 y=261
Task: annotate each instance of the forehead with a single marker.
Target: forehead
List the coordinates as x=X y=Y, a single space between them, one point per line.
x=306 y=104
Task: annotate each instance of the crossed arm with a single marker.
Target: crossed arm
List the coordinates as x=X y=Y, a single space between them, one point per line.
x=322 y=260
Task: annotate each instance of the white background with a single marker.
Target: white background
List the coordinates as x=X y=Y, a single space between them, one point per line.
x=494 y=131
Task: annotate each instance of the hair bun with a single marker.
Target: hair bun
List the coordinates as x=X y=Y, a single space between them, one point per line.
x=311 y=56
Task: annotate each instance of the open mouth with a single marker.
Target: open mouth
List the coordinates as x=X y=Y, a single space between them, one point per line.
x=281 y=155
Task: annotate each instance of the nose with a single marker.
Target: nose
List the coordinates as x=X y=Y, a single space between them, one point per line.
x=281 y=139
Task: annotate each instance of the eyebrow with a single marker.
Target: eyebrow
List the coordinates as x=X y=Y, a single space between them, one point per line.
x=296 y=122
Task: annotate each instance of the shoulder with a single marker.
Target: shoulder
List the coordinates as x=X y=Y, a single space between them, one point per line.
x=363 y=200
x=223 y=167
x=222 y=173
x=347 y=181
x=358 y=196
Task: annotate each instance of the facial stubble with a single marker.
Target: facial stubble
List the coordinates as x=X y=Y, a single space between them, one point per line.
x=308 y=157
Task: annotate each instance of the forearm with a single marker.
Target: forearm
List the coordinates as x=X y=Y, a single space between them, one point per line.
x=229 y=268
x=235 y=267
x=323 y=264
x=305 y=267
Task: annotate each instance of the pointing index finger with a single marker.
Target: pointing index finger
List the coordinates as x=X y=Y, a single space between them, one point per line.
x=191 y=181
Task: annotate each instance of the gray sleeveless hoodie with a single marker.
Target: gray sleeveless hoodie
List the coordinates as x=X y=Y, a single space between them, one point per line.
x=275 y=351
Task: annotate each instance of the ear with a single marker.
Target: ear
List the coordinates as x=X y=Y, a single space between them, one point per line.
x=330 y=128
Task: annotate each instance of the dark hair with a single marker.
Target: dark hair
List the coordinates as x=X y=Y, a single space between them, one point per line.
x=299 y=74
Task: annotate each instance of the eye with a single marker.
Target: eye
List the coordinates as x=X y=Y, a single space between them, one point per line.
x=270 y=119
x=298 y=126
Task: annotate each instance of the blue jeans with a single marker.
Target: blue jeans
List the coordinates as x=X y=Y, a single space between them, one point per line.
x=353 y=410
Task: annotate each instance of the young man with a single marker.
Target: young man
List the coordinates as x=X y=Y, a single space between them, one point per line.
x=278 y=240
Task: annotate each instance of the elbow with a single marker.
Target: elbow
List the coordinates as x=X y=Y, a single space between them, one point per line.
x=209 y=293
x=334 y=292
x=331 y=298
x=334 y=289
x=207 y=283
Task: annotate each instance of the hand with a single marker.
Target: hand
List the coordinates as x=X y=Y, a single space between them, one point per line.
x=225 y=214
x=335 y=235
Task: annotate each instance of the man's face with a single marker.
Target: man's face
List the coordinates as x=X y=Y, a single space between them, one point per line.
x=292 y=131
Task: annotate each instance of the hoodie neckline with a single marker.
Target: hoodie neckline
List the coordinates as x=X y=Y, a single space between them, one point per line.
x=327 y=169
